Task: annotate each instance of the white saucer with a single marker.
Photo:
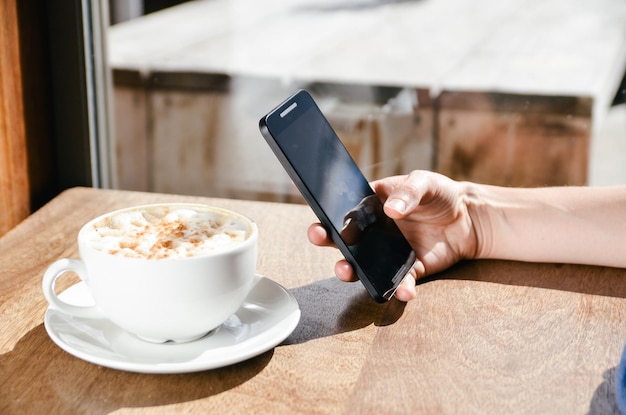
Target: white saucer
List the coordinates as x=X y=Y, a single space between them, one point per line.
x=268 y=316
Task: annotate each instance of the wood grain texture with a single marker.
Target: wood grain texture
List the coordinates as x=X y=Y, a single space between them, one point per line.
x=14 y=189
x=482 y=337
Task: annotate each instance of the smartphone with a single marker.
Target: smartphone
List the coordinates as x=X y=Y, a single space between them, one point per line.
x=339 y=194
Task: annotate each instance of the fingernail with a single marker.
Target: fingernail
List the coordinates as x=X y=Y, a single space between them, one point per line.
x=397 y=205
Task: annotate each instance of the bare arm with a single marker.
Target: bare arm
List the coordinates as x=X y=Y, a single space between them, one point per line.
x=579 y=225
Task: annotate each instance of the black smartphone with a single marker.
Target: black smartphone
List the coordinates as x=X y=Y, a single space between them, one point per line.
x=339 y=194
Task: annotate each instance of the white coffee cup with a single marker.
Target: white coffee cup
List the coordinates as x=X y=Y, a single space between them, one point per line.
x=174 y=287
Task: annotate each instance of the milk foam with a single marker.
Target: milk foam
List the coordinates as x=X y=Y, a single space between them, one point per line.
x=167 y=232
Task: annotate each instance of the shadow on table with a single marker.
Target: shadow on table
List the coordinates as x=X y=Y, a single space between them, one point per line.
x=38 y=378
x=584 y=279
x=331 y=306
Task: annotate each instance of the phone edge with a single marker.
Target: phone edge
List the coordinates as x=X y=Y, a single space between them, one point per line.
x=302 y=188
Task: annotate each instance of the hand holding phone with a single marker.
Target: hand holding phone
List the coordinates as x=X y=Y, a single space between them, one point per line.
x=339 y=194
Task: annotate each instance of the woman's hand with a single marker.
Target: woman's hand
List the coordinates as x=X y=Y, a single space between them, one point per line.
x=431 y=211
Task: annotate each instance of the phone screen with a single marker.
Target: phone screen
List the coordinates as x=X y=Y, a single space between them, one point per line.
x=339 y=193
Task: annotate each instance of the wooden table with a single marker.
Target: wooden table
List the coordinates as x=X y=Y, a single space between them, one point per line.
x=483 y=337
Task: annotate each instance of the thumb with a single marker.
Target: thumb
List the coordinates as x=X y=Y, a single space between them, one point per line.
x=402 y=201
x=403 y=193
x=395 y=208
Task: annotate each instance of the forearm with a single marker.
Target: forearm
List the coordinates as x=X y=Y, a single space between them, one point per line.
x=583 y=225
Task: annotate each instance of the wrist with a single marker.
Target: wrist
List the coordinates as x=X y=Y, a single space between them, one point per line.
x=480 y=206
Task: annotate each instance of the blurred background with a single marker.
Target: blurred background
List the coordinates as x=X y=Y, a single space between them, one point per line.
x=520 y=93
x=166 y=95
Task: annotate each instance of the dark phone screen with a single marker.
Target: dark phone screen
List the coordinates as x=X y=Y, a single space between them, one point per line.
x=333 y=179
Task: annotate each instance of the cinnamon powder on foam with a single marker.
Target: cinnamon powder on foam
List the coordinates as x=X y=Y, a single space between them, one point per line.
x=166 y=233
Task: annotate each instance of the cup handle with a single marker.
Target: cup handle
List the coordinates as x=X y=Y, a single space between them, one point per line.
x=53 y=272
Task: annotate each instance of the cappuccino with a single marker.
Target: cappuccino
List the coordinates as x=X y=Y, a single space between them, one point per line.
x=163 y=271
x=176 y=231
